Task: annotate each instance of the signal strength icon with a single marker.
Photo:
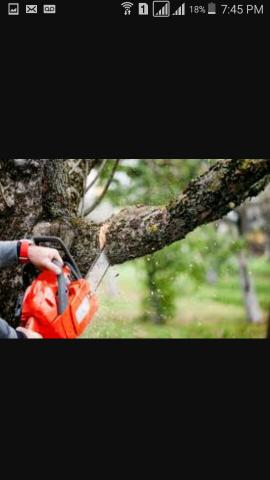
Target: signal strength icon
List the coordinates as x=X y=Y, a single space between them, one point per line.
x=161 y=8
x=127 y=6
x=181 y=10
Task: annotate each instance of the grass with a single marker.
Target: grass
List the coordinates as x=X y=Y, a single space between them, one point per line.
x=202 y=312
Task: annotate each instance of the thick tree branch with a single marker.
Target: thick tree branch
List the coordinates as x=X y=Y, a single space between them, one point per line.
x=139 y=231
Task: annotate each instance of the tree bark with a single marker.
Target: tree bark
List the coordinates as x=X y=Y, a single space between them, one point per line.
x=35 y=199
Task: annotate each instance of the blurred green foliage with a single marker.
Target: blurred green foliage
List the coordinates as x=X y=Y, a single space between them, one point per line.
x=153 y=181
x=157 y=182
x=203 y=310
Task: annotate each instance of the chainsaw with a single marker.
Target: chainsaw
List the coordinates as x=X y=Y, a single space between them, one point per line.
x=63 y=306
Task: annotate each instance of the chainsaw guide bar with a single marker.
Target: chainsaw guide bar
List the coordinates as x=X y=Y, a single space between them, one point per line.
x=98 y=271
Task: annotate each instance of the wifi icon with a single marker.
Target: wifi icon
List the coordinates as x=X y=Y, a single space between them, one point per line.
x=127 y=7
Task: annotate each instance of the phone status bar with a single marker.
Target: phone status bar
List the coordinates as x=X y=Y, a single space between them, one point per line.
x=155 y=9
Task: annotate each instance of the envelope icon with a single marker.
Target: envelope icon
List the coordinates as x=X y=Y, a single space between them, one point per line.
x=31 y=8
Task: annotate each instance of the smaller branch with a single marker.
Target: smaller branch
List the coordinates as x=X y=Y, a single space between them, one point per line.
x=107 y=186
x=99 y=172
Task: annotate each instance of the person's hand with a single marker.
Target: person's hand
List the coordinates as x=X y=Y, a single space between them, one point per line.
x=29 y=333
x=43 y=257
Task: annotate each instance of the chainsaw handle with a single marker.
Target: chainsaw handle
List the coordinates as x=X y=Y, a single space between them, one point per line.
x=57 y=241
x=62 y=301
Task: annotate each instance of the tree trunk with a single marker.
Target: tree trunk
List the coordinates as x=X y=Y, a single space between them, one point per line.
x=253 y=310
x=251 y=302
x=153 y=304
x=35 y=198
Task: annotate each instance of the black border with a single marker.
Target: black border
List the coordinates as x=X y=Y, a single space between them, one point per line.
x=92 y=83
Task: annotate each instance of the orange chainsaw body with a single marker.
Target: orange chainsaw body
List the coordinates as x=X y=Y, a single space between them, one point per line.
x=40 y=307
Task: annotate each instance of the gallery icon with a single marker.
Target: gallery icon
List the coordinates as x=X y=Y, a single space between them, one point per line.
x=13 y=9
x=49 y=8
x=31 y=8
